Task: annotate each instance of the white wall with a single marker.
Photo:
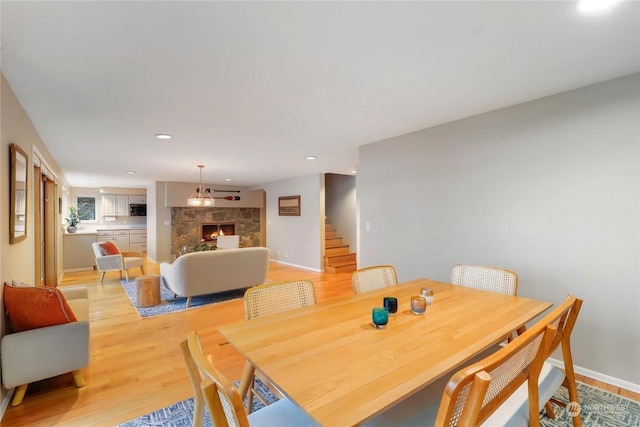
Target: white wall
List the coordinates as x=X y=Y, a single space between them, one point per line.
x=295 y=240
x=549 y=189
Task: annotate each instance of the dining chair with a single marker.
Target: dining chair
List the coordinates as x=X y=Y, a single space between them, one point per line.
x=505 y=388
x=213 y=389
x=109 y=258
x=271 y=298
x=493 y=391
x=375 y=277
x=485 y=278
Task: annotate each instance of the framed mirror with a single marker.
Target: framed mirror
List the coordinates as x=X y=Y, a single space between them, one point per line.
x=17 y=194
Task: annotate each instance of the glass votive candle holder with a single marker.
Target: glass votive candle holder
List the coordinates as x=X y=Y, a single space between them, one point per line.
x=418 y=305
x=391 y=304
x=380 y=317
x=427 y=294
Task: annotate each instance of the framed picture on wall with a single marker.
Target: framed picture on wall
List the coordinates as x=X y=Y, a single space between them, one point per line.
x=289 y=206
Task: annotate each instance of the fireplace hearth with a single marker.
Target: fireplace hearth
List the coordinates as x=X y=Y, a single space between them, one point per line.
x=211 y=230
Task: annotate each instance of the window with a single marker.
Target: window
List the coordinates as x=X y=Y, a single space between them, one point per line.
x=86 y=208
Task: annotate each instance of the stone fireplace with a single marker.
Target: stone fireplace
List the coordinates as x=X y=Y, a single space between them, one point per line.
x=189 y=224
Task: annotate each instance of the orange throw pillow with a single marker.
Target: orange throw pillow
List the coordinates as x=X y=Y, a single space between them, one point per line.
x=108 y=248
x=32 y=307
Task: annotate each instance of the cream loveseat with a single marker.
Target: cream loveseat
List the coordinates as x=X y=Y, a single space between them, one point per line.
x=207 y=272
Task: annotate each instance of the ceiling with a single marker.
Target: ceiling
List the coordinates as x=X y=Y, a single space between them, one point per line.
x=250 y=88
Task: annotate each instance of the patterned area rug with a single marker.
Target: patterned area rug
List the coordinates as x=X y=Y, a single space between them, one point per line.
x=181 y=414
x=598 y=408
x=171 y=305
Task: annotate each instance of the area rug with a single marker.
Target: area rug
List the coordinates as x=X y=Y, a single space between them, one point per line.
x=598 y=408
x=171 y=305
x=181 y=414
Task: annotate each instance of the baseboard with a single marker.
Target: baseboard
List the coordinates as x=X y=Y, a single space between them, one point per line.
x=71 y=270
x=617 y=382
x=297 y=266
x=5 y=402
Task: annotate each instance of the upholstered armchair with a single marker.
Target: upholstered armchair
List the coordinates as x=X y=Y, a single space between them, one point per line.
x=45 y=352
x=109 y=258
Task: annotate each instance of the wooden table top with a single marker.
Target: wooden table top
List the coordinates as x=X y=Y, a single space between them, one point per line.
x=335 y=365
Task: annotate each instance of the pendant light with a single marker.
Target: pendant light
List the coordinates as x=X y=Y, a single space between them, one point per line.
x=201 y=196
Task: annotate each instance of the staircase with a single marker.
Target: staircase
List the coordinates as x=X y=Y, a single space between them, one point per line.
x=337 y=257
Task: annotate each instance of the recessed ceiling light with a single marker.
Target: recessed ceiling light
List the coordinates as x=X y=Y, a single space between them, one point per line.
x=353 y=171
x=131 y=172
x=163 y=136
x=311 y=157
x=228 y=179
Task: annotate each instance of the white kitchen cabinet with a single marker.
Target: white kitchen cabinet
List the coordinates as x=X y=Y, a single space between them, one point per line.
x=138 y=240
x=115 y=204
x=119 y=237
x=138 y=200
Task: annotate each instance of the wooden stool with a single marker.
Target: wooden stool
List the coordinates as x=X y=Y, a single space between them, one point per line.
x=148 y=290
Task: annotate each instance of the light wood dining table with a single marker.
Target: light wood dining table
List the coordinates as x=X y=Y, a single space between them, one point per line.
x=331 y=361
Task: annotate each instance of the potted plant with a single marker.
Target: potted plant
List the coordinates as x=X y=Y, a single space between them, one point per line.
x=73 y=220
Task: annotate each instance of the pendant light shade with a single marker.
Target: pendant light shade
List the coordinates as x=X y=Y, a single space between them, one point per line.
x=201 y=196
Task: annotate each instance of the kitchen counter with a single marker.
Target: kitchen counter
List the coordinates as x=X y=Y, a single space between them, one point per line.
x=77 y=254
x=94 y=229
x=80 y=232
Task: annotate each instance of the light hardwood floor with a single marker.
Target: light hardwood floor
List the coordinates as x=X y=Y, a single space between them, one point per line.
x=136 y=366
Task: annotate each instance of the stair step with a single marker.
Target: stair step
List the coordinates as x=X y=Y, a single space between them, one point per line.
x=328 y=234
x=333 y=242
x=345 y=267
x=336 y=250
x=334 y=259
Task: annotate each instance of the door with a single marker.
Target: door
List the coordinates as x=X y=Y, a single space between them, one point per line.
x=45 y=229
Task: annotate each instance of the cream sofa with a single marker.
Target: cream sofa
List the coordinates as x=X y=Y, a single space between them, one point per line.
x=200 y=273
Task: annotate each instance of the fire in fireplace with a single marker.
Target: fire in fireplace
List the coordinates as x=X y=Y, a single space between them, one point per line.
x=211 y=230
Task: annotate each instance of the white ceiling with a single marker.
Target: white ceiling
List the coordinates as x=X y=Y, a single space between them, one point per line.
x=250 y=88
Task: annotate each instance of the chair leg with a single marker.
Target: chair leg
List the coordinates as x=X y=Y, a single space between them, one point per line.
x=570 y=379
x=550 y=412
x=19 y=394
x=246 y=384
x=188 y=301
x=78 y=379
x=142 y=269
x=126 y=274
x=102 y=278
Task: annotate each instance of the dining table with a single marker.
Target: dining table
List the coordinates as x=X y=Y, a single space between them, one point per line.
x=332 y=362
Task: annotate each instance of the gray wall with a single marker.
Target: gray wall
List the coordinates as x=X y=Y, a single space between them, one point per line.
x=549 y=189
x=295 y=240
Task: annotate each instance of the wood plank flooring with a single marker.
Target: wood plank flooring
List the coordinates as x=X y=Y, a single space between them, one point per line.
x=136 y=366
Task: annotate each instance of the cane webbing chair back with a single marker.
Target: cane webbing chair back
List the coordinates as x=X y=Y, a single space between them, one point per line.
x=476 y=391
x=270 y=298
x=376 y=277
x=485 y=278
x=212 y=388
